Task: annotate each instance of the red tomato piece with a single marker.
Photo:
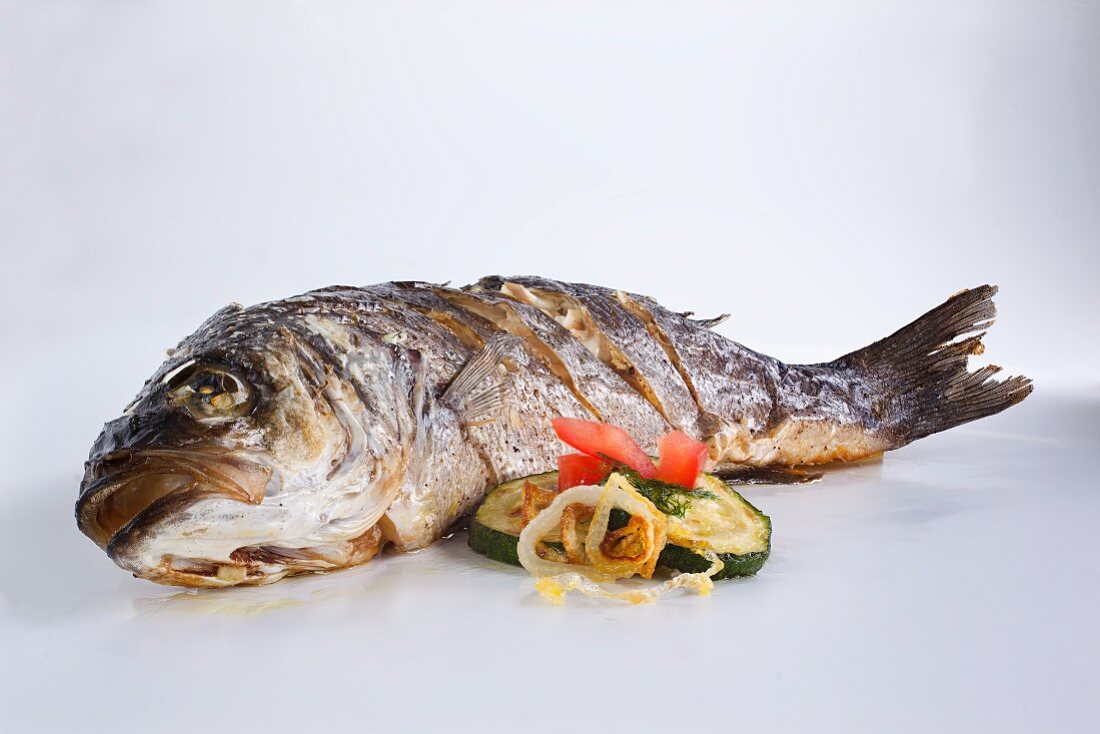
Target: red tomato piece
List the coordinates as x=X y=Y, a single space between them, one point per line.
x=605 y=441
x=681 y=460
x=575 y=470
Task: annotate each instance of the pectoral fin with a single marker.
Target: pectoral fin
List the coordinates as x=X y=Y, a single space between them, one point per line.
x=477 y=391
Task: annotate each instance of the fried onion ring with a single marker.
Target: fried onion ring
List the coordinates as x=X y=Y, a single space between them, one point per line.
x=649 y=529
x=653 y=533
x=604 y=556
x=571 y=518
x=535 y=500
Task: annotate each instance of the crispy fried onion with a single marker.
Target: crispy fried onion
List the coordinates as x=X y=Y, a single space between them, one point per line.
x=572 y=518
x=597 y=563
x=535 y=500
x=603 y=556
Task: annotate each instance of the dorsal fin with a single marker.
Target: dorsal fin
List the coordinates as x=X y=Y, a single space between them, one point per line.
x=711 y=323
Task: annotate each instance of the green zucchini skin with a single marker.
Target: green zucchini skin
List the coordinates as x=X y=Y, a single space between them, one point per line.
x=493 y=543
x=502 y=547
x=499 y=546
x=734 y=566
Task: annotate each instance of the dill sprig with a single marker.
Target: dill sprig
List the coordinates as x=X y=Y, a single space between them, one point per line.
x=671 y=499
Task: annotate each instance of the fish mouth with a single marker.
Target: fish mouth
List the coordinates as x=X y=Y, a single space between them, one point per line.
x=131 y=498
x=126 y=490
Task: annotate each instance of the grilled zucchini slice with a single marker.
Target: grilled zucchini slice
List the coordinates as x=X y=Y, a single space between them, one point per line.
x=719 y=519
x=495 y=528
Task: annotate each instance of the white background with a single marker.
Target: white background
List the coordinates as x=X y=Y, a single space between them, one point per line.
x=824 y=172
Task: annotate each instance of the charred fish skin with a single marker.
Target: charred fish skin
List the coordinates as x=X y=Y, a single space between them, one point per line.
x=303 y=435
x=612 y=334
x=601 y=392
x=519 y=440
x=761 y=411
x=756 y=410
x=752 y=408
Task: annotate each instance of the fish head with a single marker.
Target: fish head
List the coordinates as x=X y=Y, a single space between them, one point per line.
x=267 y=444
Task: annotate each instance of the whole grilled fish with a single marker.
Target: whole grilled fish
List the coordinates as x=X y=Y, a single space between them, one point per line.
x=305 y=434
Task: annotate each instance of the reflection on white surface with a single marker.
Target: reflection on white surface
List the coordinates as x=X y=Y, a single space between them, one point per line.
x=952 y=584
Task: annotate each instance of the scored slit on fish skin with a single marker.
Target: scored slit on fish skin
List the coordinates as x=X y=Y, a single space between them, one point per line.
x=364 y=446
x=597 y=332
x=598 y=386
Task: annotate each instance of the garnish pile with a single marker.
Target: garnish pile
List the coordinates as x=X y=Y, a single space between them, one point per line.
x=610 y=513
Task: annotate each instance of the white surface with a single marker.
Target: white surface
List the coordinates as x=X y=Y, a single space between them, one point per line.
x=950 y=587
x=825 y=173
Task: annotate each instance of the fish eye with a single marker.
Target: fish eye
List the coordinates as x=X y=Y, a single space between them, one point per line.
x=209 y=392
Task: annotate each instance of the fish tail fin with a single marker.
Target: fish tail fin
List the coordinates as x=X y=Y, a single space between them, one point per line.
x=923 y=368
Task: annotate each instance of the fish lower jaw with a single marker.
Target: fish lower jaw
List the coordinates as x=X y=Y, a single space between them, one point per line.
x=251 y=565
x=210 y=575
